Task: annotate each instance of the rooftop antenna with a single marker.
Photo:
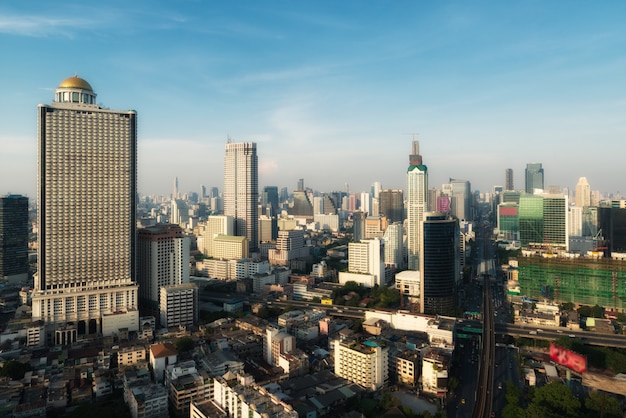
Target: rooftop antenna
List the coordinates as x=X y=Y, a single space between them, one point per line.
x=228 y=139
x=413 y=134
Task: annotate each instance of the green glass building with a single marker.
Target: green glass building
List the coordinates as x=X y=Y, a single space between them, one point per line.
x=582 y=281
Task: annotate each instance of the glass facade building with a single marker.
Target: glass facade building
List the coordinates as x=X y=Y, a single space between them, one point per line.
x=13 y=236
x=440 y=264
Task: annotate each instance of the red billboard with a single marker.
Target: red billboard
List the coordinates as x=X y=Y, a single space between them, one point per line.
x=564 y=357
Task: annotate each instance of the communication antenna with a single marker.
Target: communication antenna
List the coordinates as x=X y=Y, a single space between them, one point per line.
x=413 y=134
x=228 y=139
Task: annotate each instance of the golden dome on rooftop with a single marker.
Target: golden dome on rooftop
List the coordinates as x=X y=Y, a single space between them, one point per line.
x=75 y=82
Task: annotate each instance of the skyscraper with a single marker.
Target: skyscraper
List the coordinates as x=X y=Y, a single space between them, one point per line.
x=461 y=201
x=241 y=190
x=508 y=179
x=270 y=199
x=417 y=202
x=14 y=237
x=583 y=193
x=440 y=264
x=392 y=205
x=86 y=196
x=534 y=177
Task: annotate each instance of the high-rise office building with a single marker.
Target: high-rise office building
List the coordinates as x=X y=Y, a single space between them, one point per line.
x=417 y=202
x=440 y=264
x=392 y=205
x=375 y=189
x=394 y=246
x=534 y=177
x=86 y=197
x=162 y=260
x=270 y=199
x=612 y=222
x=543 y=221
x=241 y=190
x=508 y=179
x=175 y=190
x=583 y=193
x=300 y=184
x=14 y=237
x=461 y=202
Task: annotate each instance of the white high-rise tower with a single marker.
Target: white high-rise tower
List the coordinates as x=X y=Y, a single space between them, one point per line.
x=241 y=190
x=86 y=196
x=417 y=204
x=583 y=193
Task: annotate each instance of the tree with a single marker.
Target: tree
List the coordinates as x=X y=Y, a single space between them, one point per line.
x=601 y=403
x=15 y=370
x=555 y=398
x=567 y=306
x=585 y=311
x=184 y=344
x=597 y=311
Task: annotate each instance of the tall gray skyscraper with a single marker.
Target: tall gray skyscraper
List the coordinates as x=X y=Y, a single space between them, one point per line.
x=508 y=179
x=241 y=190
x=14 y=237
x=86 y=198
x=534 y=177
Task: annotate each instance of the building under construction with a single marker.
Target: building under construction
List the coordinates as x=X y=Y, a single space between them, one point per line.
x=582 y=280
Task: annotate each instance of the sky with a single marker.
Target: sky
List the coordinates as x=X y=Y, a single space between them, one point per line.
x=332 y=92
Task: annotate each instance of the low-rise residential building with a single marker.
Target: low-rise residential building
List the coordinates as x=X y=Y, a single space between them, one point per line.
x=161 y=356
x=243 y=399
x=435 y=364
x=127 y=356
x=186 y=383
x=364 y=363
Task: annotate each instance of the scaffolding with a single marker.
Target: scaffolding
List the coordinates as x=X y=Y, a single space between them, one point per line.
x=582 y=281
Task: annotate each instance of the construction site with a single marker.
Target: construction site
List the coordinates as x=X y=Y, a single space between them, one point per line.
x=582 y=280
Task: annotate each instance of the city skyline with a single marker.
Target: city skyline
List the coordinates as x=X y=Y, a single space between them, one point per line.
x=341 y=87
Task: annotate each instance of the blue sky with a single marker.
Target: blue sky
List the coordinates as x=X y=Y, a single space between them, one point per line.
x=331 y=90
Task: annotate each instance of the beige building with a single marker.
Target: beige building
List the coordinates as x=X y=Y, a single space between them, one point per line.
x=87 y=171
x=131 y=355
x=162 y=260
x=228 y=247
x=215 y=225
x=365 y=364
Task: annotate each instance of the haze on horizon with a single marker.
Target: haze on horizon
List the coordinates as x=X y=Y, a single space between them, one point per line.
x=331 y=92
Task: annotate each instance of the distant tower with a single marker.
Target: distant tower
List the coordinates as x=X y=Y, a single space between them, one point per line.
x=241 y=190
x=534 y=177
x=417 y=202
x=508 y=179
x=440 y=264
x=583 y=193
x=86 y=216
x=175 y=191
x=270 y=199
x=300 y=184
x=14 y=237
x=375 y=189
x=392 y=205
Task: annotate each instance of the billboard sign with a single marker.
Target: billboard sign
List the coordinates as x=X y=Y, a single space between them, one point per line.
x=568 y=358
